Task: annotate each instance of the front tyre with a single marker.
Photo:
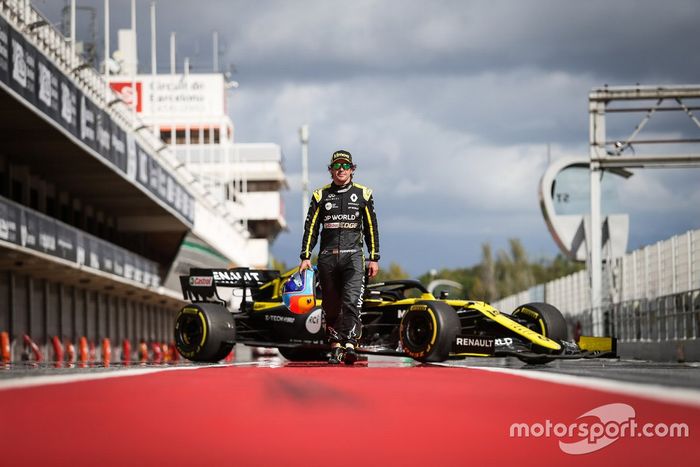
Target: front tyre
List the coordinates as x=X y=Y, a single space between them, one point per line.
x=428 y=330
x=544 y=319
x=204 y=332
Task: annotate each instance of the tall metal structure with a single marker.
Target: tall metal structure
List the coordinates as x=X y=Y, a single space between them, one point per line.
x=610 y=155
x=88 y=48
x=304 y=138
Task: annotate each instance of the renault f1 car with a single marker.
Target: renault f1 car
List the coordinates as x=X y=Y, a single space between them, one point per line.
x=400 y=318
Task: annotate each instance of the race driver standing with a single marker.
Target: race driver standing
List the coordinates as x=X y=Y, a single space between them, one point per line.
x=345 y=211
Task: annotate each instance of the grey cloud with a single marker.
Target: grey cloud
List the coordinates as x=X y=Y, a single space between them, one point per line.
x=448 y=105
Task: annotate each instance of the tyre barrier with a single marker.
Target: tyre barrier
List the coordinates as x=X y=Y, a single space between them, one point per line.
x=5 y=354
x=126 y=352
x=70 y=352
x=106 y=352
x=174 y=354
x=143 y=352
x=83 y=351
x=157 y=353
x=64 y=352
x=31 y=350
x=57 y=351
x=92 y=353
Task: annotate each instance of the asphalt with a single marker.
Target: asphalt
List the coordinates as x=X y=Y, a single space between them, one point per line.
x=678 y=375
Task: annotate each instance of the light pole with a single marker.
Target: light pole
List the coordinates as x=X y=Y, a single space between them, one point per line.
x=304 y=137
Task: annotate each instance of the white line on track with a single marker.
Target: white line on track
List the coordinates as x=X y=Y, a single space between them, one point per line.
x=680 y=396
x=33 y=381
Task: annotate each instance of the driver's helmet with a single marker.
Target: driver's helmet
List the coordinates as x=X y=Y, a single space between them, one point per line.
x=298 y=292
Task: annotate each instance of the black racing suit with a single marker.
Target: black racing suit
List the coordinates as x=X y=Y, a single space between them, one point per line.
x=346 y=214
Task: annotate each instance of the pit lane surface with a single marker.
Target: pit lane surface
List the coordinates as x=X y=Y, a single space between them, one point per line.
x=386 y=411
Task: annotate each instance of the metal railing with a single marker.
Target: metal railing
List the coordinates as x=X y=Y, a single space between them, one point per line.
x=652 y=294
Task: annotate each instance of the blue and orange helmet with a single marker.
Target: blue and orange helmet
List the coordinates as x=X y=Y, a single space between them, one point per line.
x=298 y=293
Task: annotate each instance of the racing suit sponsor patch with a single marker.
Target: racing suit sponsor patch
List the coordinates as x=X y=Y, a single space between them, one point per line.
x=340 y=225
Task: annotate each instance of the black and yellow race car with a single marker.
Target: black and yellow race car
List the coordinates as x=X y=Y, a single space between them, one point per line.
x=400 y=318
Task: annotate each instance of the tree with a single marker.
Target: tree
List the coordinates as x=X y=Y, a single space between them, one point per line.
x=394 y=272
x=509 y=273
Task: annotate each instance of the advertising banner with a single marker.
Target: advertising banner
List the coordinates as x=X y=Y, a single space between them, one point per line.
x=118 y=147
x=174 y=95
x=22 y=67
x=40 y=83
x=9 y=222
x=66 y=242
x=31 y=229
x=4 y=52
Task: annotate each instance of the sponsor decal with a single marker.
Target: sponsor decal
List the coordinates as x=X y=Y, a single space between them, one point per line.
x=329 y=206
x=313 y=321
x=353 y=197
x=279 y=319
x=45 y=80
x=474 y=344
x=528 y=312
x=103 y=135
x=201 y=281
x=126 y=92
x=234 y=276
x=47 y=241
x=505 y=341
x=87 y=121
x=419 y=307
x=69 y=104
x=400 y=313
x=19 y=65
x=4 y=49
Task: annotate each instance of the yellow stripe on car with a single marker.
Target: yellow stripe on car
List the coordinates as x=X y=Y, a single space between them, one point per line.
x=503 y=320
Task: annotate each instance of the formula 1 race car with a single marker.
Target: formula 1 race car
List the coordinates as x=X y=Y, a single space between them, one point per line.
x=400 y=318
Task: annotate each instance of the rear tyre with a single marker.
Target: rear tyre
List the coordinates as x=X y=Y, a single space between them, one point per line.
x=428 y=330
x=204 y=332
x=301 y=354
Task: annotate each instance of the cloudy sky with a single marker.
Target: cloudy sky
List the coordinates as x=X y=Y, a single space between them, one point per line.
x=448 y=107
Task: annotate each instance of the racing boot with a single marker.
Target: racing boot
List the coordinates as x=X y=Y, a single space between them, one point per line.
x=350 y=354
x=337 y=355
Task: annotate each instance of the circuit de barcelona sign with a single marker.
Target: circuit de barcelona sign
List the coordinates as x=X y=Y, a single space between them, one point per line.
x=35 y=79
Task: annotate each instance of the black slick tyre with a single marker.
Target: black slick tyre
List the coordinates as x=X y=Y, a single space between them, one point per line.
x=544 y=319
x=428 y=331
x=204 y=332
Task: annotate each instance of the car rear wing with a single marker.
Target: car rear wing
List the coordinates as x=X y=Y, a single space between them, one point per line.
x=200 y=285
